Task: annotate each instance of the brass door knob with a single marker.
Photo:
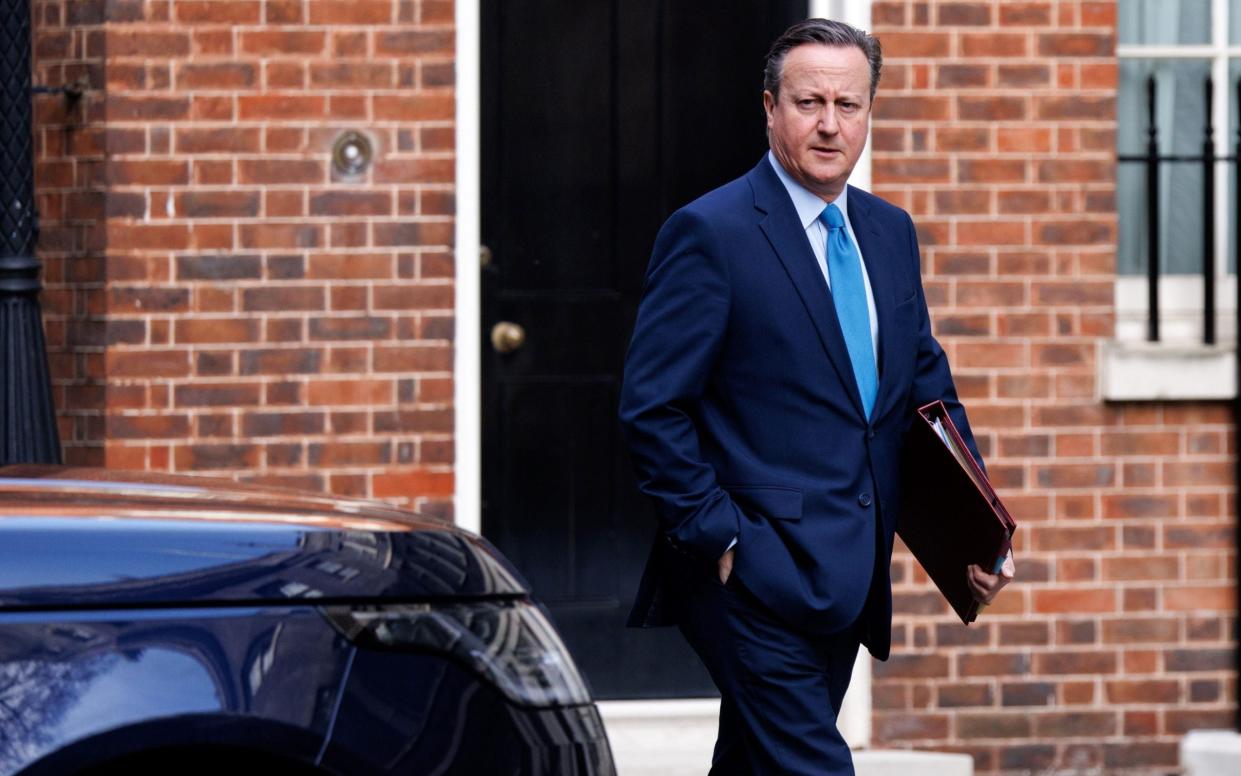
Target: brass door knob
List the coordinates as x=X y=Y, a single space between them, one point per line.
x=507 y=336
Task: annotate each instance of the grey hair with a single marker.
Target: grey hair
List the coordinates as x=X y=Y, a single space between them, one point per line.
x=825 y=32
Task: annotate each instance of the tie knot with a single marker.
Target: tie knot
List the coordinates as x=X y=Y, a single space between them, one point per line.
x=832 y=217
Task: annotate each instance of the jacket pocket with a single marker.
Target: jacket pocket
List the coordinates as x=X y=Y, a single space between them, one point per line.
x=771 y=501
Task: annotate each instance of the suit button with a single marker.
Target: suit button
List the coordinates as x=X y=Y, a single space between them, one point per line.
x=864 y=499
x=870 y=434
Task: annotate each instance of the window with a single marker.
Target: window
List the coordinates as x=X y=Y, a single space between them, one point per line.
x=1180 y=64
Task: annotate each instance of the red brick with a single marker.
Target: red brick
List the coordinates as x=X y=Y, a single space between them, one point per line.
x=1024 y=201
x=1219 y=598
x=281 y=106
x=1079 y=599
x=962 y=139
x=963 y=14
x=1065 y=663
x=993 y=725
x=1139 y=630
x=1050 y=539
x=1123 y=506
x=991 y=170
x=333 y=12
x=912 y=170
x=352 y=75
x=1197 y=473
x=350 y=328
x=197 y=331
x=912 y=108
x=261 y=171
x=289 y=42
x=161 y=426
x=412 y=484
x=218 y=75
x=404 y=43
x=350 y=203
x=1028 y=694
x=1081 y=724
x=901 y=45
x=992 y=232
x=156 y=44
x=993 y=664
x=414 y=107
x=991 y=44
x=194 y=140
x=1080 y=44
x=992 y=108
x=915 y=726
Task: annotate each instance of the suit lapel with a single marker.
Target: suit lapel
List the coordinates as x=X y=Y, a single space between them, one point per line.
x=876 y=253
x=786 y=235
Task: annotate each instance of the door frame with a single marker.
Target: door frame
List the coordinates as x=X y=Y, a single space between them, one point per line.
x=854 y=721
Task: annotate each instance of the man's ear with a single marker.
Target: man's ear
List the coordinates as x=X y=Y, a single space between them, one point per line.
x=769 y=104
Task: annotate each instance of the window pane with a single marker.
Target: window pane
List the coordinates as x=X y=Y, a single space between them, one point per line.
x=1180 y=107
x=1230 y=170
x=1165 y=21
x=1234 y=21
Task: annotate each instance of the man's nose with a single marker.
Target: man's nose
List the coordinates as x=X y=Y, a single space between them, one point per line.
x=827 y=120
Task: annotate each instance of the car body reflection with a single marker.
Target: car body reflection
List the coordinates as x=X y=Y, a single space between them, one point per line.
x=166 y=617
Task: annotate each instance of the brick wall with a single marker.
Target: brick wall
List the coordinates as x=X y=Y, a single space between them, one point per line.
x=995 y=126
x=253 y=313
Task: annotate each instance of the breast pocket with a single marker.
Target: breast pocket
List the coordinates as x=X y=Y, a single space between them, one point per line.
x=771 y=501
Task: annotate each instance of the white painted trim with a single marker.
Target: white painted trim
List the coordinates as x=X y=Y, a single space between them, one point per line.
x=1141 y=371
x=1167 y=51
x=1180 y=308
x=1210 y=752
x=854 y=720
x=467 y=366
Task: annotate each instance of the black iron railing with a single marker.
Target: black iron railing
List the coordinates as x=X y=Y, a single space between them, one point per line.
x=1152 y=160
x=28 y=431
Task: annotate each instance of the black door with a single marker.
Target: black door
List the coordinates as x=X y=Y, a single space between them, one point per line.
x=600 y=117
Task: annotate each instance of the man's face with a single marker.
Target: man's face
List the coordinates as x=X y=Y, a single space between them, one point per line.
x=817 y=126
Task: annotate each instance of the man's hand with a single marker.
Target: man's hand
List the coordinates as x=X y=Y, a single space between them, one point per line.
x=984 y=585
x=725 y=564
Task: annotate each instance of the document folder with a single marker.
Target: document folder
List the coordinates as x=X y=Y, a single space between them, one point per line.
x=950 y=515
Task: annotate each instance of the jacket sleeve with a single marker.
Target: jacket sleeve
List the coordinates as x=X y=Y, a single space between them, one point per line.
x=932 y=376
x=680 y=330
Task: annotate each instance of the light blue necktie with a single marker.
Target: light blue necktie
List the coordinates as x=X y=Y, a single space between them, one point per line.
x=844 y=267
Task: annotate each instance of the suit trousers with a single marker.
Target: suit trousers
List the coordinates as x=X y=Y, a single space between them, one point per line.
x=780 y=689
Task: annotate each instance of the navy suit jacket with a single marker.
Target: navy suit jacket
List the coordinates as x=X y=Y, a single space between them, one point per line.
x=743 y=417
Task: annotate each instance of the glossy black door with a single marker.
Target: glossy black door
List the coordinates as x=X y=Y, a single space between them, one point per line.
x=600 y=117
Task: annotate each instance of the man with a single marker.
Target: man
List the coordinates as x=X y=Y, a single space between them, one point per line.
x=771 y=379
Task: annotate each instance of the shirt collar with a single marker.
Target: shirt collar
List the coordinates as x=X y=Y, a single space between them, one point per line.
x=809 y=205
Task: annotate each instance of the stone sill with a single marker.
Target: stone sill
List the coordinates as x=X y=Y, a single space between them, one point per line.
x=1211 y=753
x=1143 y=371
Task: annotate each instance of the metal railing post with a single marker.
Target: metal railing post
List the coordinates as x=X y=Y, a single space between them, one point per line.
x=1152 y=216
x=1208 y=225
x=28 y=432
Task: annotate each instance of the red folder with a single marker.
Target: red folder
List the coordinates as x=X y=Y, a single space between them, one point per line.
x=950 y=515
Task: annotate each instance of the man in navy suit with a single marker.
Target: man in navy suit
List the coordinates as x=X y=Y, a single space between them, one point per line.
x=781 y=348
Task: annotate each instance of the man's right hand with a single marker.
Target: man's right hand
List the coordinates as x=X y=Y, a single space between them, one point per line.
x=725 y=564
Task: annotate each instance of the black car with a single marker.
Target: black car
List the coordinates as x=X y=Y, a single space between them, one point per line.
x=159 y=624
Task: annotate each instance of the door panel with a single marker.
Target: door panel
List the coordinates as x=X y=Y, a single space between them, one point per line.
x=599 y=119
